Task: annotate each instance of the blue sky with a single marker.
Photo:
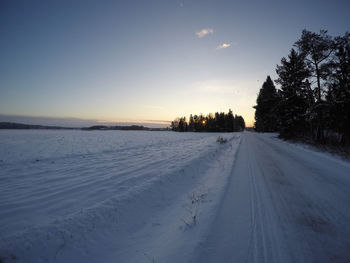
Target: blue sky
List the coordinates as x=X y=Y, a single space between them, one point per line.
x=120 y=61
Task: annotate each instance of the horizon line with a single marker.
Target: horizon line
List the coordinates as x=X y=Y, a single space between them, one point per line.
x=76 y=121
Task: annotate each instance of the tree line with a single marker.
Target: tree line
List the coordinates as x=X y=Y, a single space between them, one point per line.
x=218 y=122
x=313 y=100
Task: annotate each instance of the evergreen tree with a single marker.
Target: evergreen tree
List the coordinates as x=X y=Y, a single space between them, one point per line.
x=229 y=121
x=294 y=95
x=239 y=123
x=317 y=49
x=191 y=124
x=338 y=97
x=266 y=119
x=210 y=123
x=175 y=124
x=201 y=122
x=221 y=122
x=182 y=127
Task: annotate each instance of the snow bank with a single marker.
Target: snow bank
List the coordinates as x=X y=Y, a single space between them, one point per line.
x=114 y=196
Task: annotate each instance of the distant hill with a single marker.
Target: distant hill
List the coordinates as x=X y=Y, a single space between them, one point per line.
x=21 y=126
x=123 y=128
x=103 y=127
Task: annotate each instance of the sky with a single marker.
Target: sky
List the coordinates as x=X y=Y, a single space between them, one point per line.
x=148 y=61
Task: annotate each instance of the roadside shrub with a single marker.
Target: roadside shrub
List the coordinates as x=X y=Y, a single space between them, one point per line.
x=221 y=140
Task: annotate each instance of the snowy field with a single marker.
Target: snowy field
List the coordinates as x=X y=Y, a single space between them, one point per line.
x=109 y=196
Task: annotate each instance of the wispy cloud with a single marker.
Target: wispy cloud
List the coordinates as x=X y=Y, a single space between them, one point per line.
x=224 y=86
x=214 y=87
x=204 y=32
x=222 y=46
x=152 y=107
x=158 y=121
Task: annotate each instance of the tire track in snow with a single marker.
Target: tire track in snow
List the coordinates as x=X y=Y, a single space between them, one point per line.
x=283 y=204
x=307 y=200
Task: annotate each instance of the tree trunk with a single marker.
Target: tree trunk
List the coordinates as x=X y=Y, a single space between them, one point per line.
x=320 y=135
x=318 y=81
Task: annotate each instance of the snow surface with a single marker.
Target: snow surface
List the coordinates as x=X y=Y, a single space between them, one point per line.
x=283 y=204
x=123 y=196
x=109 y=196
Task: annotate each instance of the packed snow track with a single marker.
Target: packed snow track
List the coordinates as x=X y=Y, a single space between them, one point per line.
x=284 y=203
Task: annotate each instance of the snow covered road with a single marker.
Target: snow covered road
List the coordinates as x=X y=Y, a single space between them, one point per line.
x=283 y=204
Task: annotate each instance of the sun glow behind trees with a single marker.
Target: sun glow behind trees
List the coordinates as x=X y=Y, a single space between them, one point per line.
x=220 y=122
